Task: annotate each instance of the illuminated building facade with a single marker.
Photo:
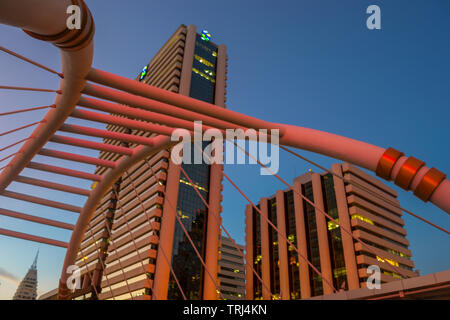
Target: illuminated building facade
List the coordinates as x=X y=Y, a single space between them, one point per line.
x=137 y=240
x=361 y=204
x=27 y=289
x=231 y=270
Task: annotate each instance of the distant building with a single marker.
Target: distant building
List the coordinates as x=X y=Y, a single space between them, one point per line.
x=361 y=203
x=27 y=289
x=50 y=295
x=232 y=271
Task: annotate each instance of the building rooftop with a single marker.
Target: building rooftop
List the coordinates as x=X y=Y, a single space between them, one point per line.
x=434 y=286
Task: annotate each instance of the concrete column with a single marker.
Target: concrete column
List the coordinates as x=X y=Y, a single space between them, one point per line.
x=188 y=60
x=322 y=234
x=249 y=253
x=86 y=280
x=215 y=187
x=265 y=247
x=282 y=246
x=164 y=256
x=221 y=71
x=344 y=222
x=302 y=244
x=212 y=233
x=163 y=260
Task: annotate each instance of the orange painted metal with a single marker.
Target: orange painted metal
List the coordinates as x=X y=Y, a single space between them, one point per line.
x=428 y=184
x=407 y=172
x=387 y=162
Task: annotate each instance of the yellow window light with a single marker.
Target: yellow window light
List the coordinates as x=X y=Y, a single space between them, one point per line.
x=332 y=225
x=362 y=218
x=391 y=262
x=204 y=61
x=190 y=184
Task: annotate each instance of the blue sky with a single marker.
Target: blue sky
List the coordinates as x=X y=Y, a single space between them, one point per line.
x=308 y=63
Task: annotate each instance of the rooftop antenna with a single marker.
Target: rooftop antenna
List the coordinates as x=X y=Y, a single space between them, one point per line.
x=34 y=265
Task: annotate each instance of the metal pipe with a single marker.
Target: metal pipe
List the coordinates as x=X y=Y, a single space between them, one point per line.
x=52 y=185
x=127 y=123
x=77 y=158
x=28 y=217
x=64 y=171
x=44 y=202
x=106 y=134
x=47 y=17
x=164 y=112
x=30 y=237
x=90 y=144
x=139 y=153
x=148 y=91
x=138 y=113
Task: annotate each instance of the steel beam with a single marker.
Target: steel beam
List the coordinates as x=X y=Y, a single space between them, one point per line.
x=30 y=237
x=41 y=201
x=76 y=158
x=64 y=171
x=90 y=144
x=28 y=217
x=52 y=185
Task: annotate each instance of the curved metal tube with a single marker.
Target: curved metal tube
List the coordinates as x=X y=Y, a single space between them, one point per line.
x=139 y=153
x=46 y=17
x=76 y=54
x=361 y=154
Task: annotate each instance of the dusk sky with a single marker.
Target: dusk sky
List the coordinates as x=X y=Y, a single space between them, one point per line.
x=308 y=63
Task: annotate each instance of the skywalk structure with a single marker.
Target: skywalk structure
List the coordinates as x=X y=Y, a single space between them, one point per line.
x=191 y=65
x=95 y=95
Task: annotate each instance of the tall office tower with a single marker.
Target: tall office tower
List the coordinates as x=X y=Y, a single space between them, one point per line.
x=27 y=289
x=231 y=270
x=133 y=242
x=361 y=204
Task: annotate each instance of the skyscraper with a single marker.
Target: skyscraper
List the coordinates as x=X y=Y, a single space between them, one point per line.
x=137 y=244
x=361 y=204
x=27 y=289
x=231 y=270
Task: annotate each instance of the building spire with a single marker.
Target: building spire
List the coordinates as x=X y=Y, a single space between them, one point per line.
x=27 y=289
x=34 y=265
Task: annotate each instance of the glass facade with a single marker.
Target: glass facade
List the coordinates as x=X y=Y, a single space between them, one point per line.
x=335 y=255
x=334 y=234
x=256 y=238
x=190 y=208
x=313 y=241
x=293 y=258
x=274 y=259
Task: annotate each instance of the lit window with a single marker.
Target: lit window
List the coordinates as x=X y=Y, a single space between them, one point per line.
x=339 y=272
x=362 y=218
x=391 y=262
x=203 y=75
x=190 y=184
x=204 y=61
x=182 y=216
x=332 y=225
